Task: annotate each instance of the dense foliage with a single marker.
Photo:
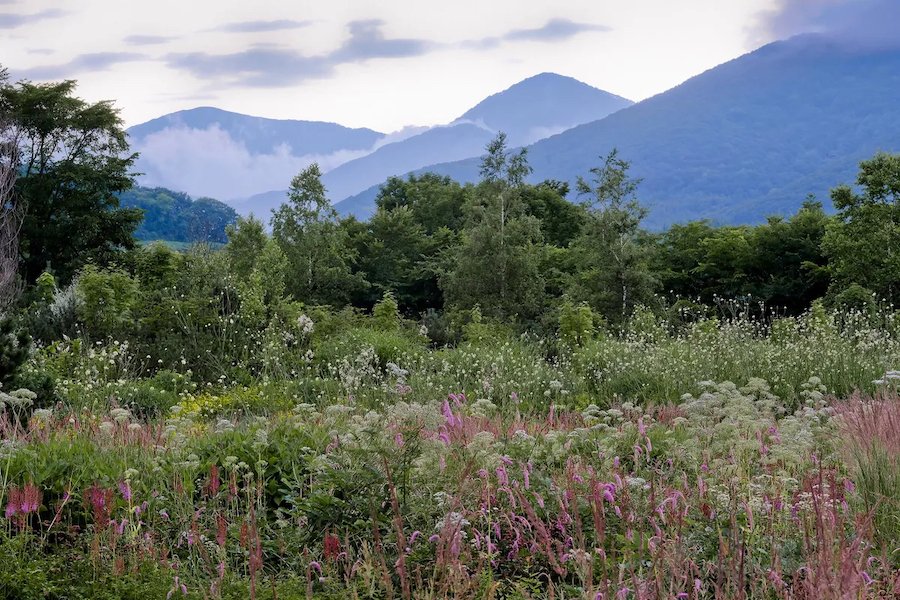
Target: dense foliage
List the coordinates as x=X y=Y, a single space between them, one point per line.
x=74 y=160
x=175 y=217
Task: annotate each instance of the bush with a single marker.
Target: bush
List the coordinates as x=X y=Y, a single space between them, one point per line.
x=576 y=324
x=105 y=301
x=15 y=344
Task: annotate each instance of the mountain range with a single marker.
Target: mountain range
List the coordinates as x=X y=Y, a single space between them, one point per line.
x=209 y=152
x=749 y=138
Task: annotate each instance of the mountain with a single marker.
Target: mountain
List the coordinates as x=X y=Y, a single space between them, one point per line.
x=211 y=152
x=541 y=106
x=746 y=139
x=529 y=110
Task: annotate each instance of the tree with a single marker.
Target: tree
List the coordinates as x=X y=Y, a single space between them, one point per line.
x=316 y=246
x=863 y=243
x=175 y=217
x=246 y=240
x=613 y=271
x=778 y=264
x=561 y=220
x=787 y=268
x=73 y=160
x=497 y=265
x=394 y=257
x=436 y=201
x=10 y=210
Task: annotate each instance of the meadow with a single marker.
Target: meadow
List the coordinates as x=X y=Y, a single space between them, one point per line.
x=730 y=457
x=497 y=390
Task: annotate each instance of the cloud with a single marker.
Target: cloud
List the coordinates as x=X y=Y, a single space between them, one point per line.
x=263 y=26
x=862 y=22
x=366 y=42
x=554 y=30
x=12 y=20
x=274 y=66
x=148 y=40
x=97 y=61
x=209 y=162
x=256 y=67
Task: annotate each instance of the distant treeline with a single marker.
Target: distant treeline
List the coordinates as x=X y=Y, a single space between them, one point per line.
x=514 y=251
x=176 y=217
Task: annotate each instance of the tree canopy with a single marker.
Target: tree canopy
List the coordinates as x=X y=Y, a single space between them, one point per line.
x=73 y=160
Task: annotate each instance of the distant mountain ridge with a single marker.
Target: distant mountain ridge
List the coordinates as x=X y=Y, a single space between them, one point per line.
x=529 y=110
x=743 y=140
x=212 y=152
x=263 y=135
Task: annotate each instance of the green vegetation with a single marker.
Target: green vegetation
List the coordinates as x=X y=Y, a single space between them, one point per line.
x=175 y=217
x=482 y=392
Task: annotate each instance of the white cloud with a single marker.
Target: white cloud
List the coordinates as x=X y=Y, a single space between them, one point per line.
x=209 y=162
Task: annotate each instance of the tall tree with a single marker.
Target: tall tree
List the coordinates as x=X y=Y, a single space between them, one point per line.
x=316 y=246
x=246 y=240
x=10 y=210
x=497 y=265
x=613 y=272
x=863 y=243
x=73 y=161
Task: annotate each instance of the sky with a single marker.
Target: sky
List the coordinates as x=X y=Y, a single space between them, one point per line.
x=385 y=64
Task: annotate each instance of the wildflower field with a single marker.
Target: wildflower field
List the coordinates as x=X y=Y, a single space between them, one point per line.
x=723 y=458
x=504 y=388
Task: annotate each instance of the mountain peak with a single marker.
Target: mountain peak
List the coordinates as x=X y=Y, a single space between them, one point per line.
x=541 y=105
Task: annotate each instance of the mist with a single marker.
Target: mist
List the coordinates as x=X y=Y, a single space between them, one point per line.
x=210 y=162
x=863 y=23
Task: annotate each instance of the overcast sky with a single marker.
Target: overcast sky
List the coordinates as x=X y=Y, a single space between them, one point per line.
x=381 y=64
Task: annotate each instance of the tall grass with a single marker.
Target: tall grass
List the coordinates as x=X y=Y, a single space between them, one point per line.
x=870 y=430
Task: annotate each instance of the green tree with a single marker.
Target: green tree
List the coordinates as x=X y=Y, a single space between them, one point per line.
x=612 y=260
x=246 y=240
x=497 y=265
x=106 y=298
x=863 y=243
x=74 y=160
x=175 y=217
x=561 y=220
x=778 y=264
x=316 y=246
x=435 y=201
x=395 y=256
x=577 y=324
x=787 y=266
